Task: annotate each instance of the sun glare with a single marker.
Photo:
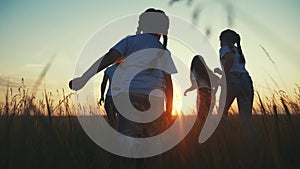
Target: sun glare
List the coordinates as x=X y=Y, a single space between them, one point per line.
x=177 y=100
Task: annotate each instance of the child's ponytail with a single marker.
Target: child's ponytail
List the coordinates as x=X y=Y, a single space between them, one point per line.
x=165 y=42
x=239 y=48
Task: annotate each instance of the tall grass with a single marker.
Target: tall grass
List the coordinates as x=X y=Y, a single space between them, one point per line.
x=45 y=133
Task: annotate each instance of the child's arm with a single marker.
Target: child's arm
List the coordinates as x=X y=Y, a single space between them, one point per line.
x=106 y=60
x=214 y=79
x=103 y=86
x=218 y=71
x=192 y=79
x=193 y=87
x=228 y=62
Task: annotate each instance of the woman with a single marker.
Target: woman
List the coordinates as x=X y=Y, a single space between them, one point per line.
x=238 y=80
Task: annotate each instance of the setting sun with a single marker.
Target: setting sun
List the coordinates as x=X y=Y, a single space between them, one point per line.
x=59 y=57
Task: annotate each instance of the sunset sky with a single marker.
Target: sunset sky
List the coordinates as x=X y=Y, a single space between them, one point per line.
x=34 y=33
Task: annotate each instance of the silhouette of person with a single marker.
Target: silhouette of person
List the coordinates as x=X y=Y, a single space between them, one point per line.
x=238 y=85
x=152 y=25
x=110 y=109
x=201 y=77
x=238 y=81
x=151 y=68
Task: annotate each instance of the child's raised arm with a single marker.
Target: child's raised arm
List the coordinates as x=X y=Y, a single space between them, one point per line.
x=106 y=60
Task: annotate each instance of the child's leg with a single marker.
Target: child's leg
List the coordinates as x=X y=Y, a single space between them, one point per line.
x=245 y=103
x=245 y=97
x=109 y=108
x=204 y=95
x=230 y=96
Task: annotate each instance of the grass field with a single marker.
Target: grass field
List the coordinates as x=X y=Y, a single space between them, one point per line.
x=44 y=134
x=35 y=142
